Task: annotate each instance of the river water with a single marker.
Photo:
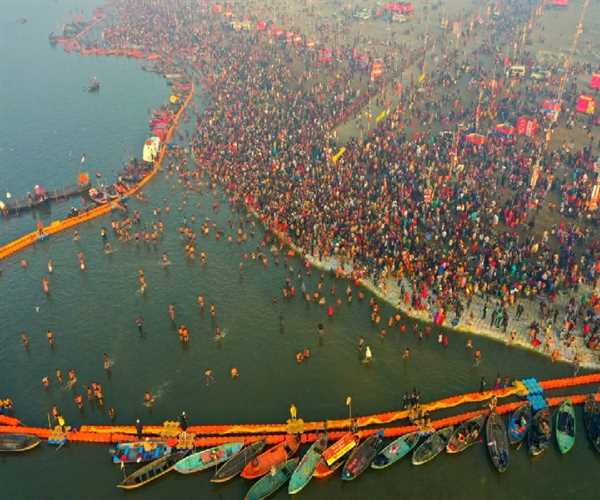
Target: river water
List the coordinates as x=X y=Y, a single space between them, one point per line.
x=47 y=122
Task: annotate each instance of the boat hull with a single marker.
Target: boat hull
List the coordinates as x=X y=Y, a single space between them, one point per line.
x=361 y=457
x=396 y=450
x=17 y=443
x=152 y=471
x=274 y=456
x=516 y=430
x=591 y=421
x=270 y=483
x=305 y=470
x=497 y=442
x=432 y=446
x=206 y=459
x=466 y=435
x=565 y=427
x=138 y=451
x=540 y=432
x=235 y=464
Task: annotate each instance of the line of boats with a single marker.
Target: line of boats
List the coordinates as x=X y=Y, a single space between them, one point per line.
x=277 y=465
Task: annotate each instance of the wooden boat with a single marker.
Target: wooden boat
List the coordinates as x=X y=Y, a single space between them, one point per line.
x=274 y=456
x=540 y=432
x=272 y=482
x=305 y=470
x=152 y=471
x=497 y=442
x=467 y=434
x=138 y=451
x=432 y=446
x=591 y=421
x=361 y=457
x=519 y=423
x=333 y=457
x=237 y=462
x=565 y=426
x=16 y=443
x=205 y=459
x=396 y=450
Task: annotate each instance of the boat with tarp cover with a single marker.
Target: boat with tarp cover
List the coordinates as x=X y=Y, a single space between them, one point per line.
x=138 y=451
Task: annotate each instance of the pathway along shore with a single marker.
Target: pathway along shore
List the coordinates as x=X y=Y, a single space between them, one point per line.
x=58 y=226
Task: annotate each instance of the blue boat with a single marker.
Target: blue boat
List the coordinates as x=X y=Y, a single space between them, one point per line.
x=519 y=423
x=396 y=450
x=138 y=451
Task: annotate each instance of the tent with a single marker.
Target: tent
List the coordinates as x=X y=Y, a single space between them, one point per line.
x=261 y=25
x=325 y=55
x=586 y=104
x=476 y=139
x=595 y=81
x=551 y=106
x=376 y=69
x=362 y=60
x=559 y=3
x=505 y=129
x=399 y=7
x=527 y=126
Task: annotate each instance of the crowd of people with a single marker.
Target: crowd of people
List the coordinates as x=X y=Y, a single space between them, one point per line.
x=410 y=204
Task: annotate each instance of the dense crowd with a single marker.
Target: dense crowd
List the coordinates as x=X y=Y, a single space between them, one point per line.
x=410 y=200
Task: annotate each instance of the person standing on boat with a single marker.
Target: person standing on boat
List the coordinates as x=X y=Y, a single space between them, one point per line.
x=183 y=421
x=139 y=428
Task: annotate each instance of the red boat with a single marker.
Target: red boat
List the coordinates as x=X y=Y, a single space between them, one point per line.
x=272 y=457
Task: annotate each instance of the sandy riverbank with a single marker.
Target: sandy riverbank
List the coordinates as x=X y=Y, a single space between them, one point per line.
x=389 y=291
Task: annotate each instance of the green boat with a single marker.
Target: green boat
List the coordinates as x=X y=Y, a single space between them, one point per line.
x=394 y=451
x=306 y=468
x=565 y=426
x=432 y=446
x=205 y=459
x=272 y=481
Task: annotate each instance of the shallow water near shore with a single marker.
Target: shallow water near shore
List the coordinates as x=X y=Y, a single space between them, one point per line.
x=93 y=312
